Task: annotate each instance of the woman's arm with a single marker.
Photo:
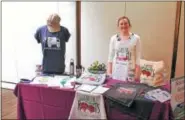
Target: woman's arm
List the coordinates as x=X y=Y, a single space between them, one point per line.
x=138 y=57
x=109 y=68
x=111 y=56
x=137 y=72
x=37 y=35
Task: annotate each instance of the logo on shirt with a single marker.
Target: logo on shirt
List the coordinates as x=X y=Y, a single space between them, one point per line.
x=125 y=90
x=123 y=54
x=52 y=43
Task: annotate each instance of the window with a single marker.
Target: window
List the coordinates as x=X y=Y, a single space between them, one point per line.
x=20 y=51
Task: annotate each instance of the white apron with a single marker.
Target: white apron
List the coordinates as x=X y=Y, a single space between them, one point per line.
x=124 y=60
x=120 y=68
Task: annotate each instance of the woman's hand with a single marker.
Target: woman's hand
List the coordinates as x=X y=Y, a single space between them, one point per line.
x=109 y=69
x=137 y=72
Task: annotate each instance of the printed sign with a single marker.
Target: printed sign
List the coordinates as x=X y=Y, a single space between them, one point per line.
x=177 y=99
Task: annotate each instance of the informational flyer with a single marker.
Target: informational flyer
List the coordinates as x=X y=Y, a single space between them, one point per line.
x=177 y=98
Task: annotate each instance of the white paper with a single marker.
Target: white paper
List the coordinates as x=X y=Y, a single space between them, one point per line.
x=156 y=91
x=99 y=90
x=41 y=80
x=162 y=96
x=120 y=71
x=87 y=88
x=159 y=95
x=60 y=77
x=54 y=83
x=166 y=94
x=76 y=87
x=35 y=82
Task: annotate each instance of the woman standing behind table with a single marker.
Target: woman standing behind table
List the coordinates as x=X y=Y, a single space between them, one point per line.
x=124 y=53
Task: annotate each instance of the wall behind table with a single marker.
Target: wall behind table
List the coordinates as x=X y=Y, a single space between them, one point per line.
x=154 y=22
x=180 y=54
x=98 y=24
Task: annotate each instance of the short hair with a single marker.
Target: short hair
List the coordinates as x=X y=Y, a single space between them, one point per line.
x=53 y=18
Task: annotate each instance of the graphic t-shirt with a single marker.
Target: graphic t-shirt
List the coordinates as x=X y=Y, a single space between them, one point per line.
x=124 y=54
x=53 y=48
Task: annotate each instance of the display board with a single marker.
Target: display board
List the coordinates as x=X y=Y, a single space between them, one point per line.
x=177 y=100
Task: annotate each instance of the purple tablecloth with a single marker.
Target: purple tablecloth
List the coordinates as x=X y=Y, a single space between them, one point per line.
x=42 y=102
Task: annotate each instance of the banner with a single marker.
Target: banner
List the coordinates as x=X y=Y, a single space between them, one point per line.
x=177 y=100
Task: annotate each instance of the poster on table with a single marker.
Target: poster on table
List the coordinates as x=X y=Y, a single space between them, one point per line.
x=177 y=99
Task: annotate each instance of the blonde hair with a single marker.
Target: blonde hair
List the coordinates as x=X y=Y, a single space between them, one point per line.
x=53 y=18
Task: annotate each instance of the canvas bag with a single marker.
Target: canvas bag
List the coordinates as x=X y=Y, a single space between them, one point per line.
x=88 y=106
x=153 y=73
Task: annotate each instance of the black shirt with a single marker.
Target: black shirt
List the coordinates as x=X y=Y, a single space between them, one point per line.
x=53 y=48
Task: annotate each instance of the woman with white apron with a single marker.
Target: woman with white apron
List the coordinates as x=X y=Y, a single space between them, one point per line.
x=124 y=53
